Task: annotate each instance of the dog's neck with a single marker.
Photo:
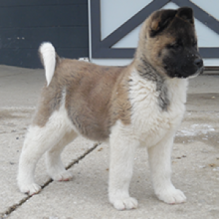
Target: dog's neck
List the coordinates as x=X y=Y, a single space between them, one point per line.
x=164 y=84
x=146 y=70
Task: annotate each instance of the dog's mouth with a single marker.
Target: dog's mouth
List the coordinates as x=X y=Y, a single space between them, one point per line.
x=198 y=72
x=179 y=73
x=189 y=76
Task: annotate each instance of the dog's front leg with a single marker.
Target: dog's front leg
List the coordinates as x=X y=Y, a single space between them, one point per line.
x=122 y=150
x=160 y=164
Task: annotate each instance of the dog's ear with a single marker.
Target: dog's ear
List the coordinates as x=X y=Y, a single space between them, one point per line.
x=160 y=20
x=186 y=14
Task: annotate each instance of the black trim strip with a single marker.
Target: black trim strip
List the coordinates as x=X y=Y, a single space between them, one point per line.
x=125 y=53
x=209 y=53
x=95 y=27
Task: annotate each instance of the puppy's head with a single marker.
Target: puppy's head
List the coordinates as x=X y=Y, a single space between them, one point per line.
x=168 y=42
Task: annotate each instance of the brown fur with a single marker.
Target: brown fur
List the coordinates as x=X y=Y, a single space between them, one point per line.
x=95 y=97
x=152 y=45
x=153 y=49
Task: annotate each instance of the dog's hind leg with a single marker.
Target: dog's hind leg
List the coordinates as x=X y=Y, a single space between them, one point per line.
x=55 y=167
x=39 y=140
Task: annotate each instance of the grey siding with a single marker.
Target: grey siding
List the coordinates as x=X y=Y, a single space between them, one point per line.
x=24 y=24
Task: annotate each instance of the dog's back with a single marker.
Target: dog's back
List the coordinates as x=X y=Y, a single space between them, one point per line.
x=89 y=92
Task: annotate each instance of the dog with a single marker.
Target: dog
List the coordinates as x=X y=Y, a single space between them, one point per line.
x=141 y=104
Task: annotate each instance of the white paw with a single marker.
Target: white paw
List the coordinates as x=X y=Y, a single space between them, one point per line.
x=125 y=203
x=172 y=196
x=30 y=189
x=63 y=176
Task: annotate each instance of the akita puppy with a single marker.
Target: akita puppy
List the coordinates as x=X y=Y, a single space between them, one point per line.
x=139 y=104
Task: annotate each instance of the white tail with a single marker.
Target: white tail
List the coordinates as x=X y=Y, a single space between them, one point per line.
x=48 y=57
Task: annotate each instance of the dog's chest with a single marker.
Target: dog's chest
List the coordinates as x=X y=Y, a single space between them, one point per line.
x=149 y=121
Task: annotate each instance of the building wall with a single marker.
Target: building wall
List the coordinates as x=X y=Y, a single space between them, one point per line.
x=113 y=39
x=24 y=24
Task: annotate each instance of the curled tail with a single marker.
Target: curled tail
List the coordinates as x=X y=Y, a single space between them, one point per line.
x=48 y=58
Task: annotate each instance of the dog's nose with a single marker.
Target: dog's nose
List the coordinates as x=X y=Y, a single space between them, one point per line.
x=198 y=62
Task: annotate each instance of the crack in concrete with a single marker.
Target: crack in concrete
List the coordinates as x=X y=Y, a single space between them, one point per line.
x=22 y=201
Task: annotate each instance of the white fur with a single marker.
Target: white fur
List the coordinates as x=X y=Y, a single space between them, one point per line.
x=154 y=128
x=122 y=149
x=51 y=138
x=149 y=122
x=150 y=126
x=49 y=60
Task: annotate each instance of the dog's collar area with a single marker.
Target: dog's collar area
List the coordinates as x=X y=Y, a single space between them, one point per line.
x=147 y=71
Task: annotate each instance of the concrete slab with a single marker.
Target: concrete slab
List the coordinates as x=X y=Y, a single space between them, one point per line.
x=20 y=87
x=19 y=91
x=13 y=126
x=204 y=84
x=195 y=171
x=203 y=93
x=195 y=160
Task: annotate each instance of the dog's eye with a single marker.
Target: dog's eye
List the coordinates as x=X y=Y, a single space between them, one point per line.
x=194 y=44
x=174 y=45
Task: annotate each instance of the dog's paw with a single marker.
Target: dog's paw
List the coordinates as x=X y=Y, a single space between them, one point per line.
x=30 y=189
x=62 y=176
x=125 y=203
x=172 y=196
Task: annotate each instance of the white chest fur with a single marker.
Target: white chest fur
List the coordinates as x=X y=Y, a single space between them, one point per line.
x=149 y=122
